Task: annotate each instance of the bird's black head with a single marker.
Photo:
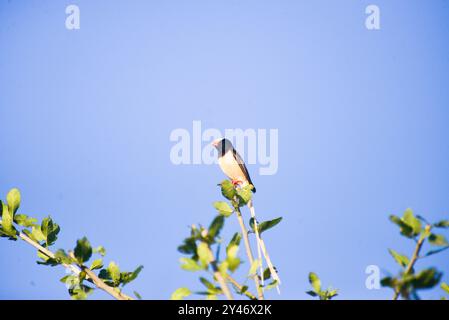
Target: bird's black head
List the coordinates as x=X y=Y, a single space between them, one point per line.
x=222 y=145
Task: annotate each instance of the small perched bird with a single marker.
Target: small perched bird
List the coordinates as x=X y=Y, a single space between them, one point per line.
x=232 y=163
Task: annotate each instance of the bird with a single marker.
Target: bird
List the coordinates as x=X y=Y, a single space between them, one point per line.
x=231 y=163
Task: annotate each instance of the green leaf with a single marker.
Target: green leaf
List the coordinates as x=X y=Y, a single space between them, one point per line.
x=180 y=294
x=207 y=283
x=445 y=287
x=236 y=238
x=388 y=282
x=271 y=285
x=267 y=274
x=13 y=200
x=138 y=296
x=438 y=240
x=223 y=208
x=36 y=234
x=244 y=194
x=50 y=231
x=223 y=268
x=405 y=229
x=232 y=251
x=228 y=189
x=205 y=254
x=80 y=292
x=412 y=221
x=432 y=252
x=189 y=264
x=188 y=247
x=82 y=276
x=312 y=293
x=46 y=260
x=70 y=280
x=24 y=220
x=62 y=257
x=101 y=250
x=264 y=226
x=127 y=277
x=402 y=260
x=426 y=279
x=231 y=257
x=96 y=264
x=211 y=288
x=83 y=250
x=215 y=227
x=328 y=294
x=243 y=289
x=111 y=275
x=7 y=229
x=114 y=272
x=442 y=224
x=315 y=282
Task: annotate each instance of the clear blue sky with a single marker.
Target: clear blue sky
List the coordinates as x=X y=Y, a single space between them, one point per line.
x=86 y=117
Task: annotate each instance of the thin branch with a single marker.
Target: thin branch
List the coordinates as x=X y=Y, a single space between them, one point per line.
x=240 y=287
x=273 y=271
x=248 y=251
x=219 y=277
x=117 y=294
x=47 y=252
x=222 y=282
x=413 y=260
x=259 y=246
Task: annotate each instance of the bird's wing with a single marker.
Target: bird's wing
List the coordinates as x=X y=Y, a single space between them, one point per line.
x=242 y=166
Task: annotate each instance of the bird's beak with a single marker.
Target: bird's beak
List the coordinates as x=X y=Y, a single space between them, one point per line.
x=215 y=143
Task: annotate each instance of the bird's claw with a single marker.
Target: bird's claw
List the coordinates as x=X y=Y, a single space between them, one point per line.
x=236 y=182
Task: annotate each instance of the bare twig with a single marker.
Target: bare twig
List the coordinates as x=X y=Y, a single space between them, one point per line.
x=240 y=287
x=222 y=282
x=259 y=246
x=219 y=277
x=273 y=271
x=248 y=251
x=263 y=248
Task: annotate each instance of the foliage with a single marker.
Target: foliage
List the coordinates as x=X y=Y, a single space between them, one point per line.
x=409 y=281
x=203 y=248
x=45 y=234
x=317 y=291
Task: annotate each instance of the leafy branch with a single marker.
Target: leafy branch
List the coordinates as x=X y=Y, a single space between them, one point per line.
x=203 y=247
x=317 y=291
x=42 y=236
x=408 y=282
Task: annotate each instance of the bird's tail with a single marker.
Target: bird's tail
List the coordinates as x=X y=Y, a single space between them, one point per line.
x=262 y=250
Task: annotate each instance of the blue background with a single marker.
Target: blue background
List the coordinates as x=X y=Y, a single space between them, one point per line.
x=86 y=117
